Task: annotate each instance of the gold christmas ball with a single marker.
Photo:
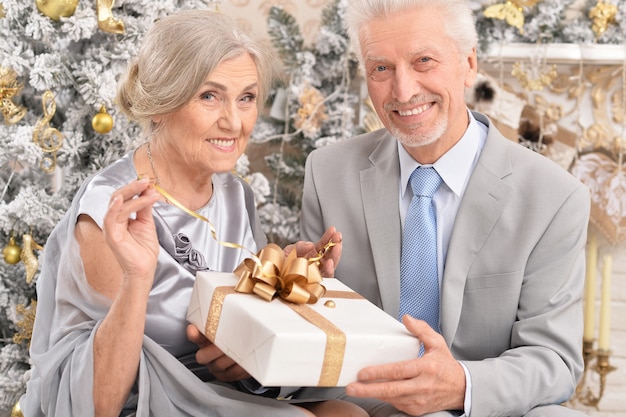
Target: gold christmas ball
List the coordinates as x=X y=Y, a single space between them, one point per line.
x=17 y=410
x=12 y=252
x=102 y=122
x=56 y=9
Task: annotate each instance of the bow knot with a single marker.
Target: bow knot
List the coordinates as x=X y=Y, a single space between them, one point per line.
x=270 y=273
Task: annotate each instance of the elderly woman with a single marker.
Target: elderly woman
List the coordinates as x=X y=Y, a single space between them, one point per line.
x=111 y=336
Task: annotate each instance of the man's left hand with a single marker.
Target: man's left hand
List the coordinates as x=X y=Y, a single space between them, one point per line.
x=310 y=250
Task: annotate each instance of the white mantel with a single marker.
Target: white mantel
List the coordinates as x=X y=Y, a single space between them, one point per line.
x=559 y=53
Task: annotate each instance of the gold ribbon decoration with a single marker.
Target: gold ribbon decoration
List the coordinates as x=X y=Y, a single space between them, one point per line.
x=535 y=79
x=602 y=14
x=269 y=273
x=106 y=21
x=47 y=138
x=215 y=311
x=31 y=263
x=25 y=325
x=335 y=348
x=56 y=9
x=511 y=11
x=297 y=280
x=176 y=203
x=9 y=88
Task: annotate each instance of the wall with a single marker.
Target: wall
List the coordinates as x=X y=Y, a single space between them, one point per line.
x=613 y=402
x=252 y=14
x=581 y=111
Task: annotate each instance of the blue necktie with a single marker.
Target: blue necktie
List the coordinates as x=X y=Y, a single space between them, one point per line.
x=419 y=280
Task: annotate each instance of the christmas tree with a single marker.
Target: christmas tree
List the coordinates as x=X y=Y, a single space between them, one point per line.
x=59 y=63
x=316 y=106
x=58 y=71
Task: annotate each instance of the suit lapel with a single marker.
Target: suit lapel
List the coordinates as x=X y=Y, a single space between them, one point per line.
x=483 y=201
x=379 y=187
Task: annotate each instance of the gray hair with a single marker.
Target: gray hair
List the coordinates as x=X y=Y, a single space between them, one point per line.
x=458 y=19
x=177 y=54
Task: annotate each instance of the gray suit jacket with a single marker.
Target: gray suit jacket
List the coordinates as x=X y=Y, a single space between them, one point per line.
x=514 y=274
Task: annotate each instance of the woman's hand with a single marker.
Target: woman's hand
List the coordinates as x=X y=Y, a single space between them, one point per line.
x=119 y=263
x=310 y=250
x=134 y=241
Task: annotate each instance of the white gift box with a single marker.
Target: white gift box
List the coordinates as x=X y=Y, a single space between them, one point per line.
x=286 y=344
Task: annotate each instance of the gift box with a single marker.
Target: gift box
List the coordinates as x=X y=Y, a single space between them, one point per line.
x=289 y=344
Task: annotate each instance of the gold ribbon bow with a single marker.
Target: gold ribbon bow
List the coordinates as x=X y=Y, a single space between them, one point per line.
x=294 y=279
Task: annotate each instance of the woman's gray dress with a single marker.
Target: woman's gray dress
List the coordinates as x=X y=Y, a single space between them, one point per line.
x=69 y=311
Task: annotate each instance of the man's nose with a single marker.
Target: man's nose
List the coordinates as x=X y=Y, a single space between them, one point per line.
x=405 y=84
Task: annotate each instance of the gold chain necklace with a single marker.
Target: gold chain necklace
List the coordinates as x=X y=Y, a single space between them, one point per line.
x=157 y=181
x=153 y=166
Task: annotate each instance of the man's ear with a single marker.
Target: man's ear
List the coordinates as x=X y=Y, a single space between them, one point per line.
x=472 y=68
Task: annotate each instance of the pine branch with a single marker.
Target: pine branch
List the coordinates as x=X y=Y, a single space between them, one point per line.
x=285 y=36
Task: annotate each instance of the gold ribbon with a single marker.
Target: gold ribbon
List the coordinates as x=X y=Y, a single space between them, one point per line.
x=335 y=344
x=334 y=350
x=269 y=273
x=215 y=311
x=297 y=280
x=176 y=203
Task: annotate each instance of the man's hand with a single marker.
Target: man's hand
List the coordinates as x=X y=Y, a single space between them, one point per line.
x=434 y=382
x=219 y=365
x=309 y=250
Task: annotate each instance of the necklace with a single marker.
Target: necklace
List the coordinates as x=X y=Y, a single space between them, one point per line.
x=153 y=166
x=157 y=182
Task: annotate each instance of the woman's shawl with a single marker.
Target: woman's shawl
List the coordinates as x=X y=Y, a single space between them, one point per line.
x=69 y=312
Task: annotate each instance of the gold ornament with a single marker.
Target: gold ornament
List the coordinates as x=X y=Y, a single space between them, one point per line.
x=28 y=257
x=2 y=13
x=9 y=88
x=102 y=122
x=12 y=251
x=47 y=138
x=17 y=411
x=106 y=21
x=512 y=11
x=56 y=9
x=602 y=15
x=541 y=78
x=312 y=111
x=27 y=323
